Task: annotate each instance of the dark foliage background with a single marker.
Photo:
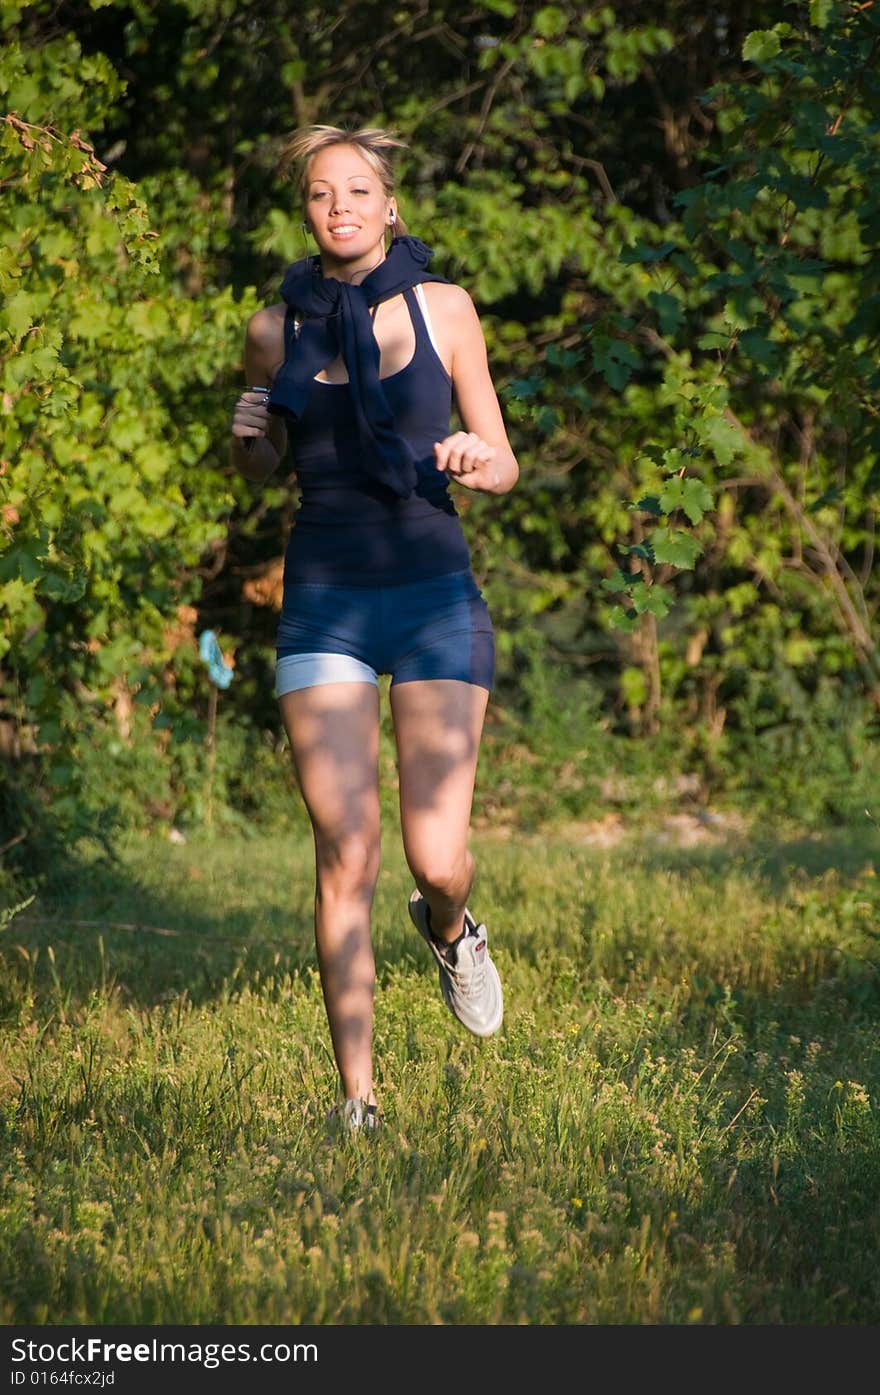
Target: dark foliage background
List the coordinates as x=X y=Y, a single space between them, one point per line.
x=669 y=221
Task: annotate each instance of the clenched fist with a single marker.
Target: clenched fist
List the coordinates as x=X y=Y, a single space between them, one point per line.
x=468 y=459
x=250 y=418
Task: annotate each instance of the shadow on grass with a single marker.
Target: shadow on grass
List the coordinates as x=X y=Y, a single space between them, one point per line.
x=801 y=1222
x=773 y=859
x=187 y=924
x=158 y=936
x=102 y=922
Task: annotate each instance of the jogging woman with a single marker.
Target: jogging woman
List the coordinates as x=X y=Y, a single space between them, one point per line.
x=363 y=357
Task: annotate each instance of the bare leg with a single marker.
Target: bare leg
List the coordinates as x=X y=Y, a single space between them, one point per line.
x=333 y=731
x=437 y=727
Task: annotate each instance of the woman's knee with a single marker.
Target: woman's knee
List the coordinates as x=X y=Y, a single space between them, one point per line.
x=443 y=873
x=347 y=864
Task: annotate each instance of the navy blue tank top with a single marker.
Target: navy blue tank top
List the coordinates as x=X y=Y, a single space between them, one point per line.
x=349 y=528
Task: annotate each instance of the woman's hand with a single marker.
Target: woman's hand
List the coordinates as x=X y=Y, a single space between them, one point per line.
x=479 y=456
x=258 y=439
x=250 y=418
x=469 y=460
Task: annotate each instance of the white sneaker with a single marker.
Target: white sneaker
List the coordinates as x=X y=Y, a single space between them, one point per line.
x=469 y=980
x=354 y=1116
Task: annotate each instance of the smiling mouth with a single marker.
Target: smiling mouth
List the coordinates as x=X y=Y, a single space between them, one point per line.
x=345 y=230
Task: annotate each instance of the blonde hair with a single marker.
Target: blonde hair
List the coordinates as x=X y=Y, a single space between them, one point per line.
x=371 y=142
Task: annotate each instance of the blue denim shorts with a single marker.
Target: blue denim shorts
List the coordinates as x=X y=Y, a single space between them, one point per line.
x=436 y=628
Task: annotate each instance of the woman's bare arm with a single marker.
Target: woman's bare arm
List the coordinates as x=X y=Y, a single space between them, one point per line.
x=251 y=422
x=480 y=457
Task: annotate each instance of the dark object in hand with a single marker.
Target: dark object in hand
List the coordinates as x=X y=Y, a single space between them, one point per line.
x=250 y=440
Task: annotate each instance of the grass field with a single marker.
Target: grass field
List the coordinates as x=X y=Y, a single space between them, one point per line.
x=678 y=1123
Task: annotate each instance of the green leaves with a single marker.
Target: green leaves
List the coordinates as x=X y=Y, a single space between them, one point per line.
x=690 y=495
x=675 y=546
x=23 y=562
x=97 y=535
x=720 y=435
x=761 y=45
x=641 y=253
x=643 y=597
x=615 y=359
x=17 y=314
x=821 y=12
x=672 y=547
x=550 y=22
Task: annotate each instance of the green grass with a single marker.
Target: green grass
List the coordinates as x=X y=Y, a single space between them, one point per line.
x=677 y=1124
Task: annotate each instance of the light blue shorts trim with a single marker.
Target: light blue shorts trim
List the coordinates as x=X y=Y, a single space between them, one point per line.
x=295 y=671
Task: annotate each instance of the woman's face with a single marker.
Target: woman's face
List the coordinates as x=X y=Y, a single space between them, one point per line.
x=346 y=207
